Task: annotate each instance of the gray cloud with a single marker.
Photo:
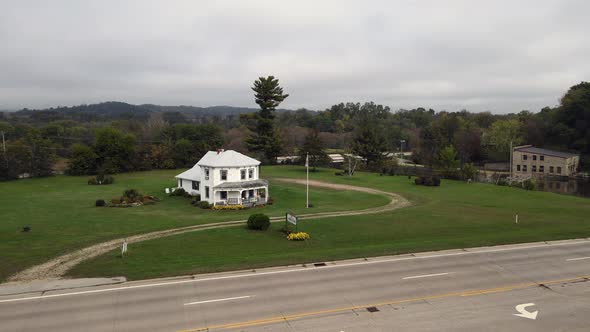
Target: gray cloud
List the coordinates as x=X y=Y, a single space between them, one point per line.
x=502 y=56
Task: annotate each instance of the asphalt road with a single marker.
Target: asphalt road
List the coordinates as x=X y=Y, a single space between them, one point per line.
x=470 y=290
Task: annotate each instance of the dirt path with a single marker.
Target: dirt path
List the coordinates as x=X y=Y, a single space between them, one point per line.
x=58 y=266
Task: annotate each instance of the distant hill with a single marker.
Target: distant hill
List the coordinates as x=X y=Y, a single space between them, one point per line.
x=114 y=110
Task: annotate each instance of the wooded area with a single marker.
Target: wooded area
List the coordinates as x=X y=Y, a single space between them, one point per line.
x=117 y=137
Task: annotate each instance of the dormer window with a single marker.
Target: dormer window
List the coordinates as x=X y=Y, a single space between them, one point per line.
x=250 y=173
x=223 y=175
x=243 y=174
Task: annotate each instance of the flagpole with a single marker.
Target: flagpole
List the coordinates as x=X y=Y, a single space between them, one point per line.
x=307 y=191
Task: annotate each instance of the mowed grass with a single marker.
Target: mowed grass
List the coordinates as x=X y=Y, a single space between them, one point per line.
x=455 y=215
x=61 y=213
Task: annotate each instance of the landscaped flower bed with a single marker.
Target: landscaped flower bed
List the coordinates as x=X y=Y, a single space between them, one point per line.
x=299 y=236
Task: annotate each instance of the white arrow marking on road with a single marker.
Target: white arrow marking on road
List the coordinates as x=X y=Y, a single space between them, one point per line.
x=524 y=313
x=219 y=300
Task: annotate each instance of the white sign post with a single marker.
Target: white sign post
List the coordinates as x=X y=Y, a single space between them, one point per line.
x=291 y=219
x=123 y=249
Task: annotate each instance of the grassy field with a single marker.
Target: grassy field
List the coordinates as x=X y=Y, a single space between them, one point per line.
x=60 y=210
x=455 y=215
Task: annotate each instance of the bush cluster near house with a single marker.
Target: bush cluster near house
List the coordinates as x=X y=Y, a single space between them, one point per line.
x=203 y=205
x=430 y=181
x=229 y=207
x=131 y=197
x=259 y=222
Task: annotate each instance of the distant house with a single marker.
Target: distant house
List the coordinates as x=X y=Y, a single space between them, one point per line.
x=529 y=160
x=225 y=178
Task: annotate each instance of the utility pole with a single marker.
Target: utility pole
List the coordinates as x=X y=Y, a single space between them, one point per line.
x=511 y=161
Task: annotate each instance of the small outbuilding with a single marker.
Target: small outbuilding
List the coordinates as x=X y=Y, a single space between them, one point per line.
x=225 y=178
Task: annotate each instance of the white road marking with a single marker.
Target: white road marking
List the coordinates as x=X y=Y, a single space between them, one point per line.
x=219 y=300
x=577 y=259
x=521 y=308
x=426 y=275
x=245 y=275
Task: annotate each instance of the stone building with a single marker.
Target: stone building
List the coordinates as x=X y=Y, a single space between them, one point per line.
x=529 y=160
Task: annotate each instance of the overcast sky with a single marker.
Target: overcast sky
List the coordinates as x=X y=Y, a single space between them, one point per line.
x=502 y=56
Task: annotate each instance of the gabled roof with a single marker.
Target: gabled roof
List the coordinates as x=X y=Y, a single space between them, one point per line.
x=229 y=158
x=532 y=149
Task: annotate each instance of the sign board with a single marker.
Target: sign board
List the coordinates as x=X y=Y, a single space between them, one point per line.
x=292 y=219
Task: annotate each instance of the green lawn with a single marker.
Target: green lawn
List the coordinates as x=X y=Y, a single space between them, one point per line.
x=61 y=213
x=455 y=215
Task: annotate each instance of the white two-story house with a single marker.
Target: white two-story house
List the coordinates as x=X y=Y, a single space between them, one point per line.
x=225 y=177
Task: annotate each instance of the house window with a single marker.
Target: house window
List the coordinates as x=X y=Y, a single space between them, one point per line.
x=550 y=169
x=558 y=170
x=180 y=183
x=223 y=175
x=524 y=168
x=196 y=185
x=534 y=157
x=518 y=168
x=524 y=157
x=534 y=168
x=542 y=158
x=251 y=193
x=223 y=194
x=243 y=174
x=206 y=192
x=206 y=174
x=250 y=173
x=542 y=169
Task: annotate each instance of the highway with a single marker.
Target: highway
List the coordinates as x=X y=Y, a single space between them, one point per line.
x=481 y=289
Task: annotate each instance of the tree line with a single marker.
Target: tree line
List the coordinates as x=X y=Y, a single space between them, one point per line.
x=116 y=137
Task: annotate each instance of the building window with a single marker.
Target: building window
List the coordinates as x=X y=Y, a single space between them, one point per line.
x=534 y=157
x=251 y=193
x=542 y=169
x=180 y=183
x=550 y=169
x=558 y=170
x=524 y=168
x=223 y=194
x=534 y=168
x=206 y=192
x=518 y=168
x=250 y=173
x=206 y=174
x=542 y=158
x=223 y=175
x=243 y=174
x=525 y=157
x=196 y=185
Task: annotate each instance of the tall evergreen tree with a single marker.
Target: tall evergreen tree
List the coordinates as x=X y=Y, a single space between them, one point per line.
x=265 y=138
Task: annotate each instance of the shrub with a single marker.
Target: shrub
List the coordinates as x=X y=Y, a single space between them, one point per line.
x=178 y=192
x=132 y=195
x=299 y=236
x=431 y=181
x=203 y=205
x=197 y=197
x=269 y=201
x=101 y=179
x=259 y=221
x=115 y=201
x=100 y=202
x=529 y=185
